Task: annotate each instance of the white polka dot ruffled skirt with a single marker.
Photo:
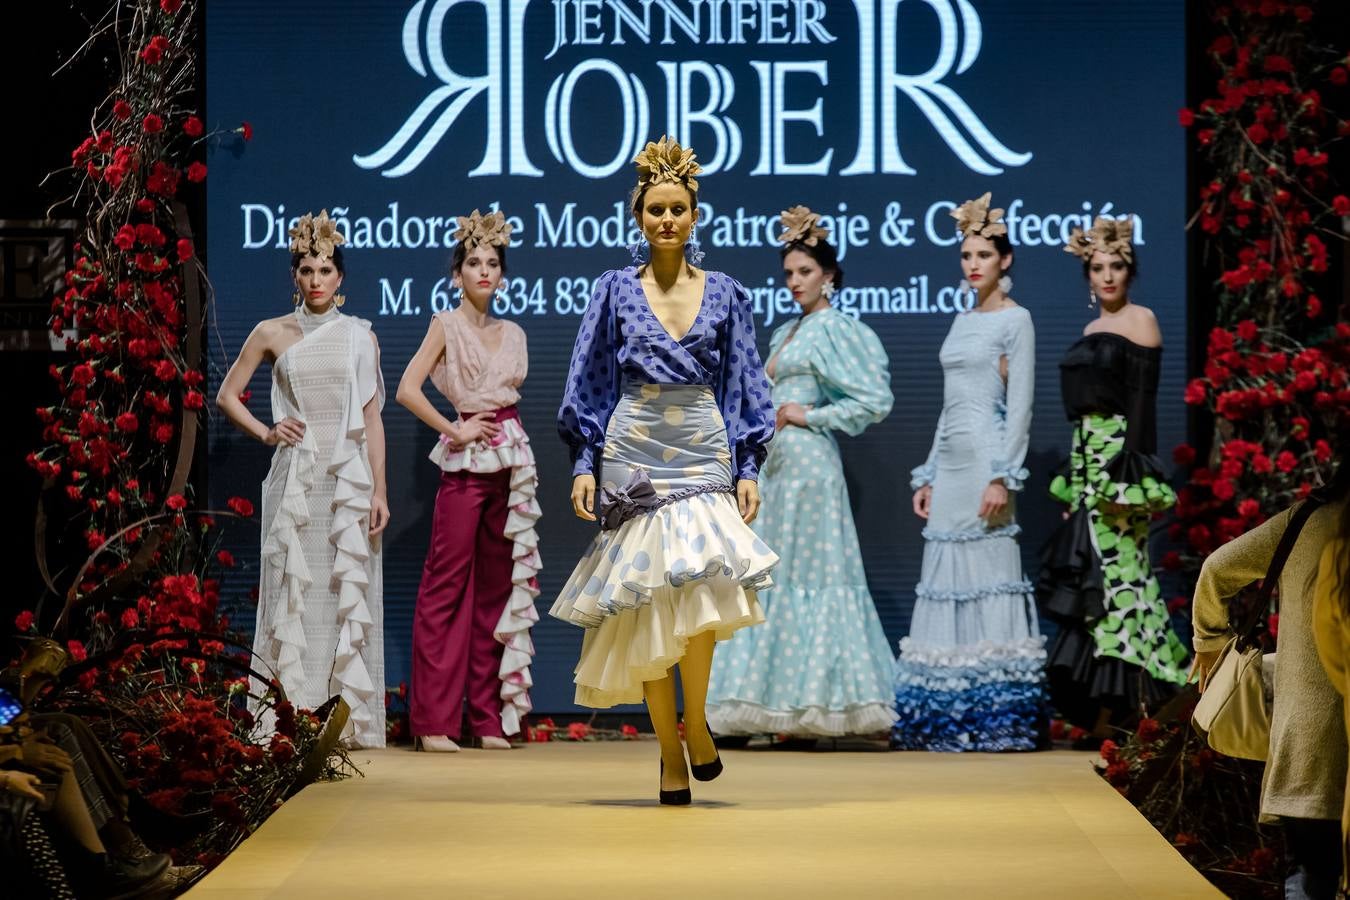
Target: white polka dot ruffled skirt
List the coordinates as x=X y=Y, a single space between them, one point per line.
x=673 y=558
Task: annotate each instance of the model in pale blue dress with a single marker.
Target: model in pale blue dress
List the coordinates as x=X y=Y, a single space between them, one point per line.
x=821 y=665
x=970 y=674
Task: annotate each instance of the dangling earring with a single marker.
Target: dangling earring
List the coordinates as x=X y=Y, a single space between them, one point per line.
x=641 y=250
x=296 y=298
x=827 y=290
x=1092 y=299
x=693 y=253
x=1005 y=284
x=339 y=299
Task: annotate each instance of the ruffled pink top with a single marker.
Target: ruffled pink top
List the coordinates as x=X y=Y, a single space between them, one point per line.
x=474 y=378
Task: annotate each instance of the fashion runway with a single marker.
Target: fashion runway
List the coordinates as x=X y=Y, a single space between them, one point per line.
x=581 y=820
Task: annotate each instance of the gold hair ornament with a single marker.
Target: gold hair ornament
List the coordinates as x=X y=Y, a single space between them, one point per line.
x=316 y=236
x=1108 y=235
x=665 y=161
x=974 y=218
x=801 y=226
x=476 y=230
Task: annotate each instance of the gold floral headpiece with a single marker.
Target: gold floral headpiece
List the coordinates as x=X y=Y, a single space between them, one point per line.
x=1108 y=235
x=477 y=229
x=801 y=226
x=316 y=236
x=665 y=161
x=974 y=218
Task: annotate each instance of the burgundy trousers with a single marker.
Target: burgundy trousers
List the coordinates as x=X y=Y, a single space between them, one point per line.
x=466 y=583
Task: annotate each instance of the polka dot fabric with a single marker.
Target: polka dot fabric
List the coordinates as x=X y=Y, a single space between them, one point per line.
x=685 y=565
x=821 y=665
x=621 y=342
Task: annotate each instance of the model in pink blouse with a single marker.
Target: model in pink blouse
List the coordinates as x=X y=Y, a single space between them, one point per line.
x=475 y=607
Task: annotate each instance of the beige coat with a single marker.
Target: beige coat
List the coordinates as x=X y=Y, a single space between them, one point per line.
x=1331 y=626
x=1306 y=766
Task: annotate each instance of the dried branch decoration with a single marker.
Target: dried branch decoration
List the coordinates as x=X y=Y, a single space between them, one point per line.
x=974 y=218
x=1108 y=235
x=316 y=236
x=801 y=226
x=477 y=229
x=665 y=161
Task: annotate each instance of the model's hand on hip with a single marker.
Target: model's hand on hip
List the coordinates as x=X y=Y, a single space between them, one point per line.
x=923 y=498
x=994 y=501
x=288 y=431
x=583 y=497
x=790 y=414
x=747 y=498
x=379 y=514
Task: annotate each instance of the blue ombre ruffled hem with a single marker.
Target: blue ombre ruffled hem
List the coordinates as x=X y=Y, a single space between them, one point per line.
x=987 y=698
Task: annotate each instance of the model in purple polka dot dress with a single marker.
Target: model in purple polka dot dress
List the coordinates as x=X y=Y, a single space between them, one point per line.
x=676 y=428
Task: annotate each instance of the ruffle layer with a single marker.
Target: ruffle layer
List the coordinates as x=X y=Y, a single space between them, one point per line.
x=924 y=592
x=350 y=537
x=282 y=547
x=1014 y=476
x=1137 y=479
x=510 y=451
x=820 y=665
x=1070 y=588
x=922 y=475
x=695 y=540
x=972 y=534
x=641 y=645
x=739 y=717
x=1081 y=682
x=987 y=697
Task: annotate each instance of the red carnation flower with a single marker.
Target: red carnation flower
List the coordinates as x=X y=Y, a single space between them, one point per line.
x=225 y=558
x=152 y=123
x=77 y=651
x=122 y=110
x=185 y=250
x=1247 y=330
x=194 y=400
x=125 y=238
x=1339 y=76
x=1286 y=462
x=1110 y=750
x=23 y=621
x=196 y=173
x=1340 y=204
x=130 y=618
x=170 y=6
x=241 y=506
x=192 y=126
x=163 y=433
x=1196 y=392
x=176 y=502
x=127 y=421
x=1183 y=454
x=1171 y=560
x=153 y=53
x=1223 y=489
x=1249 y=508
x=246 y=130
x=1186 y=118
x=1314 y=307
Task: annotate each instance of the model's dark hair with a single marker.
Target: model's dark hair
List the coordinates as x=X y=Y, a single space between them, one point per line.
x=1002 y=246
x=461 y=253
x=1131 y=267
x=823 y=253
x=338 y=264
x=640 y=192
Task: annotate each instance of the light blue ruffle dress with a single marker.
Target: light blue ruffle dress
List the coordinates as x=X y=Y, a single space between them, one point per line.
x=971 y=672
x=821 y=664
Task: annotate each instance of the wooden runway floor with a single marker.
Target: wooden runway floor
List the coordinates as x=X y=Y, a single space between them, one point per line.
x=581 y=820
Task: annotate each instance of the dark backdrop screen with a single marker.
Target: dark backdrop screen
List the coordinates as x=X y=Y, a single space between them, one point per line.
x=881 y=114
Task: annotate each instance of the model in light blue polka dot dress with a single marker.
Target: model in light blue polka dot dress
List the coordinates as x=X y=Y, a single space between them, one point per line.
x=821 y=665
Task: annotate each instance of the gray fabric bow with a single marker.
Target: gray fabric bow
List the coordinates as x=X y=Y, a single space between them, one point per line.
x=620 y=505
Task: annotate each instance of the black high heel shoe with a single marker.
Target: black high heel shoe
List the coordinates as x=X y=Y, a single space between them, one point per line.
x=707 y=771
x=682 y=797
